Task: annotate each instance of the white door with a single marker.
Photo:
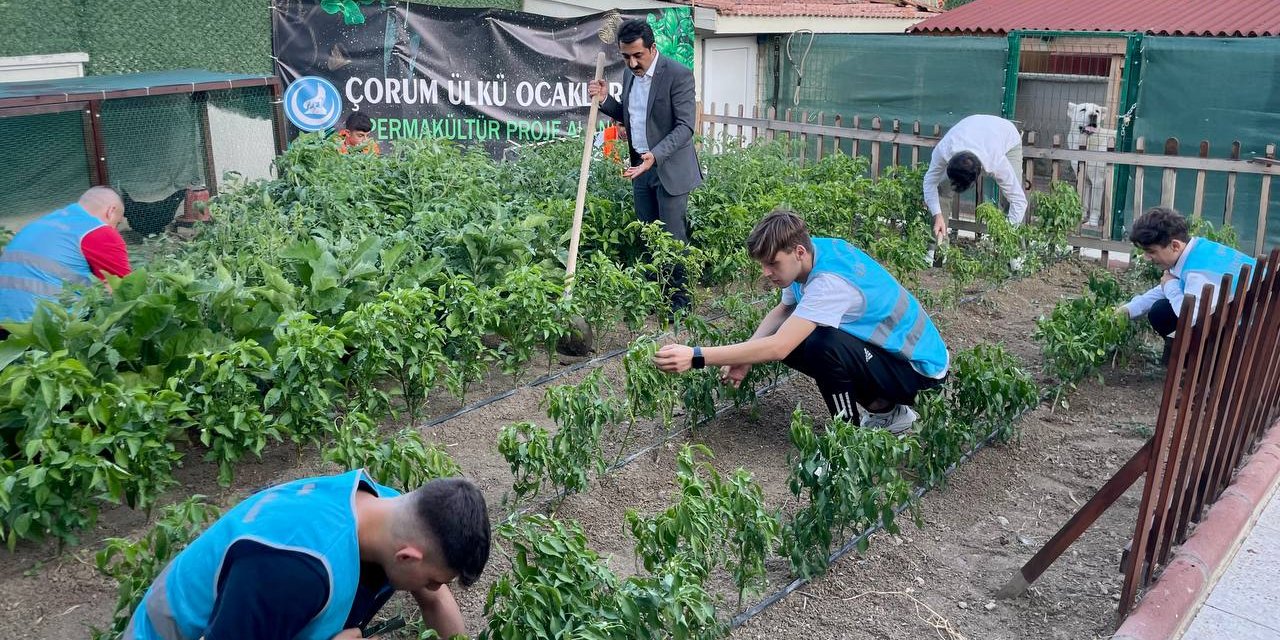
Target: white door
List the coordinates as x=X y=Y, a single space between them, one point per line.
x=729 y=76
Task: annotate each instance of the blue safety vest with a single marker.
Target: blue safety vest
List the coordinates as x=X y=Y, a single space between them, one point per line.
x=893 y=319
x=315 y=516
x=1212 y=261
x=43 y=256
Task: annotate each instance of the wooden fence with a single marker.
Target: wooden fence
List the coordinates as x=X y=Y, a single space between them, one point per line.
x=1221 y=392
x=896 y=143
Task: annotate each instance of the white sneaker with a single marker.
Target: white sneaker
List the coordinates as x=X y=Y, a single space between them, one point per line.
x=897 y=420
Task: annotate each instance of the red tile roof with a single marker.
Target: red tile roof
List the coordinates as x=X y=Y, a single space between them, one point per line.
x=818 y=8
x=1215 y=18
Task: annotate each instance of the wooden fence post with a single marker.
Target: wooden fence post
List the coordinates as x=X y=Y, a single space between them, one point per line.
x=1169 y=180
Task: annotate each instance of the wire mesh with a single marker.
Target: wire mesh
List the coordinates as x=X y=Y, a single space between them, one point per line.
x=155 y=149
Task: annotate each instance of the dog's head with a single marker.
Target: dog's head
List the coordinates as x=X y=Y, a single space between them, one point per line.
x=1086 y=117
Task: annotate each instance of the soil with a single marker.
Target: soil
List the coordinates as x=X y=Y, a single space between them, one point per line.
x=974 y=534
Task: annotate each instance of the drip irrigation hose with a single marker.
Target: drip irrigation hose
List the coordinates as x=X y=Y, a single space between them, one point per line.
x=550 y=377
x=542 y=504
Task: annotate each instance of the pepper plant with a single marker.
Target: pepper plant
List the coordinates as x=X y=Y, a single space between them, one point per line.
x=943 y=437
x=990 y=390
x=610 y=295
x=75 y=444
x=389 y=337
x=566 y=459
x=306 y=375
x=223 y=388
x=134 y=564
x=651 y=393
x=532 y=313
x=853 y=479
x=527 y=449
x=405 y=461
x=558 y=587
x=1056 y=215
x=717 y=522
x=1084 y=333
x=469 y=313
x=1002 y=243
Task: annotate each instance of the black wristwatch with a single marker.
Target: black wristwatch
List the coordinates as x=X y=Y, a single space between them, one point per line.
x=698 y=361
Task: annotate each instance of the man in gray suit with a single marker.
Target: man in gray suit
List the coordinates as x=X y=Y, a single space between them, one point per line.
x=658 y=111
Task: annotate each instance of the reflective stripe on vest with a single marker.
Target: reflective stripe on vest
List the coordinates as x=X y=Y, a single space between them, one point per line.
x=43 y=263
x=159 y=613
x=41 y=258
x=33 y=287
x=885 y=328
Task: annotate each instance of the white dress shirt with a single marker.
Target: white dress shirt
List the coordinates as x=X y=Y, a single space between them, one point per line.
x=638 y=108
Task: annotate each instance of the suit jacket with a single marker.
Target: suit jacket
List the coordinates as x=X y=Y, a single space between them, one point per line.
x=672 y=116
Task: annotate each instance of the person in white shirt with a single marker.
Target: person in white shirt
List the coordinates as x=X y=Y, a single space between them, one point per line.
x=842 y=320
x=1190 y=263
x=975 y=144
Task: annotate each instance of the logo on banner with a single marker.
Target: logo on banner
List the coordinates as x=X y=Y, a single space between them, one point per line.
x=312 y=103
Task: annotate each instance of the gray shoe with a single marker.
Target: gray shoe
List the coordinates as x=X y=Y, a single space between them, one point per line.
x=897 y=420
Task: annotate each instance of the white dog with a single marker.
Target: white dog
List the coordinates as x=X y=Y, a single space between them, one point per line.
x=1086 y=132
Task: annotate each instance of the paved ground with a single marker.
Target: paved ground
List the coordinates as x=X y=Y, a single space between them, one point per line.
x=1245 y=603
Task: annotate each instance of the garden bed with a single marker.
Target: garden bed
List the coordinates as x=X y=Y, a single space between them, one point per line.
x=964 y=552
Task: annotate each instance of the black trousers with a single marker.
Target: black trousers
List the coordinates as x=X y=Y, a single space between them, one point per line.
x=850 y=370
x=653 y=203
x=1165 y=322
x=1162 y=318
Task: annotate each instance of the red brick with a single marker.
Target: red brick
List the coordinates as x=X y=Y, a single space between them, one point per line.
x=1167 y=603
x=1219 y=531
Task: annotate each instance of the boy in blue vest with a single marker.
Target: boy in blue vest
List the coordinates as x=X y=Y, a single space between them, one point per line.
x=1190 y=265
x=316 y=558
x=843 y=320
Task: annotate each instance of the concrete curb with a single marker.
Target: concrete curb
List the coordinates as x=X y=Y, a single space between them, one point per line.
x=1171 y=603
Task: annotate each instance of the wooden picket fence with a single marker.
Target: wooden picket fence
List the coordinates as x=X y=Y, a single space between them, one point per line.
x=895 y=143
x=1221 y=392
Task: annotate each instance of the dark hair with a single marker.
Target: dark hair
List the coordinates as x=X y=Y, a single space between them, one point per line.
x=454 y=511
x=358 y=121
x=1159 y=227
x=781 y=230
x=633 y=30
x=963 y=170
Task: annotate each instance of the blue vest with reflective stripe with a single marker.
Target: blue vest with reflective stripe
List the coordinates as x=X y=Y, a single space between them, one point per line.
x=45 y=254
x=1213 y=260
x=893 y=319
x=315 y=516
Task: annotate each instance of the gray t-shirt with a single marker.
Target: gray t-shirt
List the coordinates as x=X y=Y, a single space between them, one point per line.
x=829 y=301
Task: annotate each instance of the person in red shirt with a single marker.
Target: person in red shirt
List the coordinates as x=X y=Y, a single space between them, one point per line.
x=356 y=135
x=72 y=245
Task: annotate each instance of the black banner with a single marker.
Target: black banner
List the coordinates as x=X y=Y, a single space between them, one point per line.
x=493 y=77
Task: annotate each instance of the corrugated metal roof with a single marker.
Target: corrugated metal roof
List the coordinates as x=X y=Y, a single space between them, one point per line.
x=1214 y=18
x=819 y=9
